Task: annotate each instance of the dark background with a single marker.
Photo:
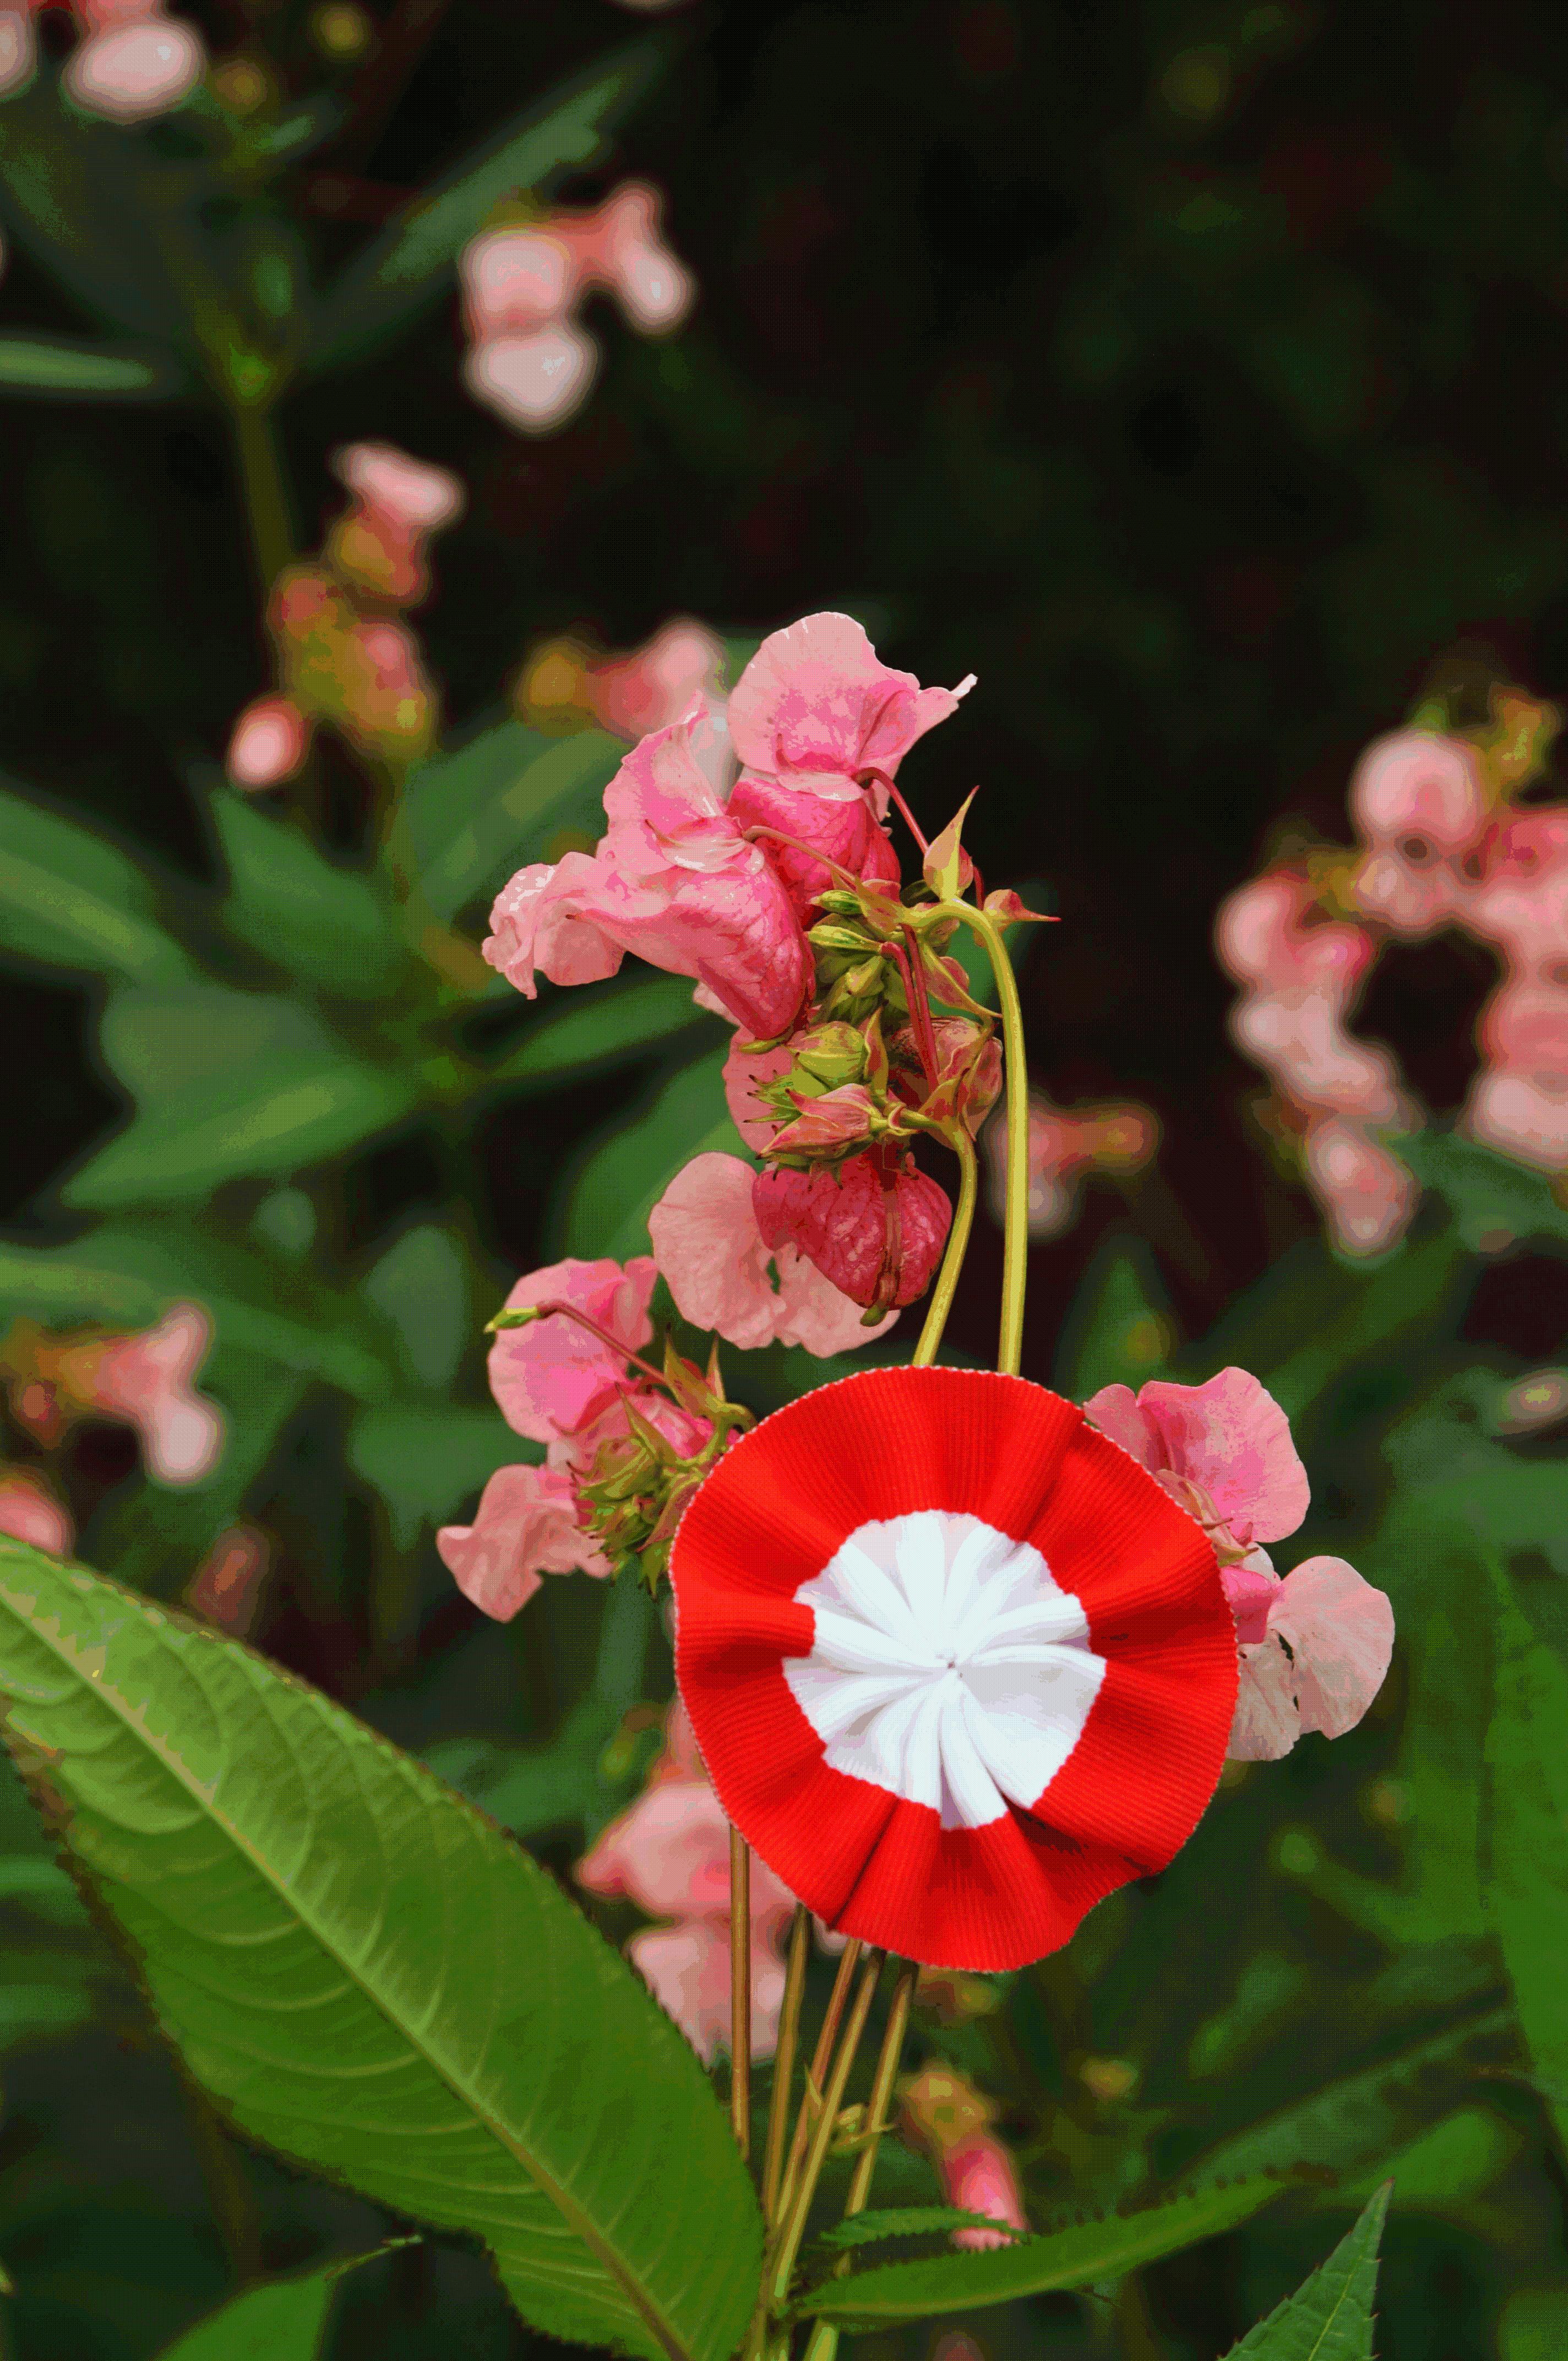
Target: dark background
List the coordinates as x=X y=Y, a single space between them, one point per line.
x=1192 y=373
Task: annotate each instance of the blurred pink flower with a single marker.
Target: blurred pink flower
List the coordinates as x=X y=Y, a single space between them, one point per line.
x=225 y=1588
x=1298 y=1038
x=708 y=1245
x=1419 y=805
x=528 y=1525
x=379 y=544
x=1366 y=1195
x=144 y=1380
x=669 y=1854
x=979 y=2175
x=1519 y=1116
x=1266 y=935
x=658 y=683
x=1064 y=1144
x=29 y=1513
x=875 y=1225
x=1223 y=1449
x=1339 y=1639
x=137 y=63
x=1521 y=904
x=18 y=48
x=270 y=741
x=820 y=726
x=535 y=380
x=674 y=881
x=548 y=1377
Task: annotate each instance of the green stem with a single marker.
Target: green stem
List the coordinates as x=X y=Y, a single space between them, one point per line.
x=784 y=2061
x=816 y=2071
x=267 y=508
x=882 y=2090
x=740 y=1990
x=942 y=1295
x=794 y=2229
x=1015 y=1252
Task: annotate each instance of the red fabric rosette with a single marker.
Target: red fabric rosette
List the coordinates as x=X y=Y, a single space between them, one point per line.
x=956 y=1665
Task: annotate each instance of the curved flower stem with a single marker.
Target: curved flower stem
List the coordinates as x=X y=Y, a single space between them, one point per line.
x=784 y=2061
x=778 y=2271
x=740 y=1990
x=945 y=1288
x=1016 y=1253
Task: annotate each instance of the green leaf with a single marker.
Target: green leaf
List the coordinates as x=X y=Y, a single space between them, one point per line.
x=283 y=2320
x=1401 y=1301
x=1118 y=1329
x=1534 y=2325
x=66 y=365
x=426 y=1462
x=86 y=199
x=592 y=1028
x=1076 y=2258
x=474 y=817
x=1526 y=1896
x=231 y=1084
x=1444 y=2167
x=1496 y=1203
x=372 y=1980
x=902 y=2222
x=408 y=265
x=1360 y=2118
x=300 y=910
x=1330 y=2317
x=623 y=1177
x=423 y=1286
x=70 y=898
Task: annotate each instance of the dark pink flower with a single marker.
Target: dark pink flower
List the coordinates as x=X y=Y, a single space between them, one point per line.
x=874 y=1225
x=979 y=2175
x=548 y=1377
x=657 y=683
x=528 y=1524
x=1418 y=802
x=724 y=1276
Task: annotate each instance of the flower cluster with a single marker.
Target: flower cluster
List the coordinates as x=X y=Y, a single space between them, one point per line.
x=143 y=1379
x=133 y=61
x=1443 y=842
x=1067 y=1144
x=1315 y=1645
x=530 y=357
x=344 y=656
x=946 y=2115
x=564 y=684
x=750 y=851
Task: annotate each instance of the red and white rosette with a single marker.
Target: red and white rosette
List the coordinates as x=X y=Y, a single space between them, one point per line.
x=957 y=1666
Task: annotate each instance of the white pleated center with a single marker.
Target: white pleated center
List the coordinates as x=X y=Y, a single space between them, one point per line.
x=948 y=1664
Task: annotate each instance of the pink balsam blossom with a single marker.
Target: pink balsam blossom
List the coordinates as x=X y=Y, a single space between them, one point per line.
x=979 y=2175
x=1419 y=806
x=134 y=64
x=271 y=739
x=1223 y=1449
x=550 y=1375
x=528 y=1525
x=675 y=881
x=1339 y=1636
x=632 y=695
x=379 y=544
x=29 y=1513
x=874 y=1225
x=145 y=1380
x=725 y=1277
x=1366 y=1195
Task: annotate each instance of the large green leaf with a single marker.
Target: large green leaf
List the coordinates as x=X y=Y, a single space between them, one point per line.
x=476 y=816
x=387 y=284
x=87 y=197
x=591 y=1028
x=1527 y=1758
x=426 y=1460
x=72 y=899
x=296 y=907
x=1080 y=2256
x=623 y=1177
x=230 y=1084
x=371 y=1979
x=67 y=365
x=1329 y=2318
x=1496 y=1203
x=283 y=2320
x=1415 y=1290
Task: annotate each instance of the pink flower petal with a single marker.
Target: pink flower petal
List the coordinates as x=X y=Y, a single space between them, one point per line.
x=839 y=828
x=546 y=1376
x=657 y=683
x=1250 y=1592
x=1366 y=1195
x=29 y=1513
x=1266 y=1723
x=708 y=1244
x=145 y=1379
x=1228 y=1437
x=133 y=71
x=814 y=1313
x=536 y=926
x=410 y=492
x=271 y=739
x=858 y=1221
x=1415 y=784
x=815 y=700
x=979 y=2175
x=527 y=1525
x=1339 y=1632
x=745 y=1070
x=535 y=380
x=687 y=1968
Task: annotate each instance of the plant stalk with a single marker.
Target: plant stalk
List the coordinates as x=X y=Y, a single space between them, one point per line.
x=782 y=2263
x=784 y=2061
x=942 y=1294
x=818 y=2070
x=267 y=506
x=740 y=1990
x=880 y=2098
x=1015 y=1251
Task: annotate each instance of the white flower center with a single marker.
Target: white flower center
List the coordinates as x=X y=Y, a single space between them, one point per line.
x=949 y=1665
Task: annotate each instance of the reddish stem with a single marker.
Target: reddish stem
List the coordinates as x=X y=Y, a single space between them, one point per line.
x=910 y=822
x=919 y=1006
x=621 y=1351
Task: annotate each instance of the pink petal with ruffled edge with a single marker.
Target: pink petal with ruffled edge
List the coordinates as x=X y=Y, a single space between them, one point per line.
x=687 y=1968
x=526 y=1526
x=719 y=1268
x=817 y=701
x=1341 y=1632
x=537 y=926
x=546 y=1376
x=1229 y=1437
x=1266 y=1723
x=841 y=828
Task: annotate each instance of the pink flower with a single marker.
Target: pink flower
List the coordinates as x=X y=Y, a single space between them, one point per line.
x=713 y=1256
x=379 y=544
x=1419 y=805
x=133 y=69
x=18 y=49
x=820 y=726
x=874 y=1225
x=1266 y=935
x=29 y=1513
x=1065 y=1143
x=548 y=1377
x=658 y=683
x=673 y=881
x=533 y=382
x=669 y=1854
x=1338 y=1638
x=1298 y=1038
x=144 y=1380
x=1223 y=1449
x=1521 y=903
x=1520 y=1115
x=270 y=741
x=227 y=1586
x=979 y=2175
x=528 y=1525
x=607 y=1422
x=1367 y=1195
x=746 y=1069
